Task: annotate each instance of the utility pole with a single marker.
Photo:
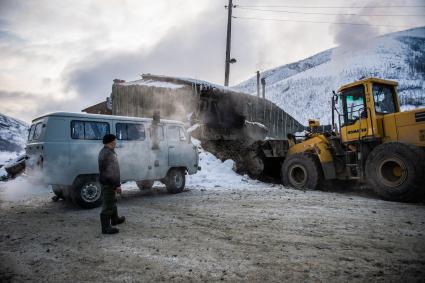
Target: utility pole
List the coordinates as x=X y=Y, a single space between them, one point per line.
x=263 y=84
x=228 y=42
x=258 y=83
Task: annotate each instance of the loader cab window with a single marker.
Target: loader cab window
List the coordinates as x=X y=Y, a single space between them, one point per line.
x=383 y=96
x=353 y=104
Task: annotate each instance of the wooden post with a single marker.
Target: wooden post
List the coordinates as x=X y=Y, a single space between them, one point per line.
x=258 y=84
x=228 y=43
x=263 y=84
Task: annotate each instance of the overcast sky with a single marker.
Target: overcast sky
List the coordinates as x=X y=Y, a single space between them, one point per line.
x=63 y=55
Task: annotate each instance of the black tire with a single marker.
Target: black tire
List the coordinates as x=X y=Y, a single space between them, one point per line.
x=145 y=184
x=302 y=171
x=396 y=171
x=58 y=191
x=175 y=180
x=254 y=165
x=87 y=192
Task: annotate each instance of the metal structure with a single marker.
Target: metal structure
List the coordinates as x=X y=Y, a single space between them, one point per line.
x=220 y=112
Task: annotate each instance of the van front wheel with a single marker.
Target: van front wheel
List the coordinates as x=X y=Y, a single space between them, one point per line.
x=175 y=181
x=87 y=193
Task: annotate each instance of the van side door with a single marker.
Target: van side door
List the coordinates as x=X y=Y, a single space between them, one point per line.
x=181 y=152
x=158 y=148
x=132 y=150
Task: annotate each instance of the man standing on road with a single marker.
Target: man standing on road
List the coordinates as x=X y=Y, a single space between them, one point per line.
x=110 y=180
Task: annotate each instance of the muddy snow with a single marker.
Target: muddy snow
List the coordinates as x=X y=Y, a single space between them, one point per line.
x=223 y=227
x=257 y=232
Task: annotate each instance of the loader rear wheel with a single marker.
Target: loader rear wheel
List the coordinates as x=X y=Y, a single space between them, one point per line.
x=301 y=171
x=396 y=171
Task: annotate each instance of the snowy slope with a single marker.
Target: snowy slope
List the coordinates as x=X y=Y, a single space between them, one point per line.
x=13 y=134
x=304 y=88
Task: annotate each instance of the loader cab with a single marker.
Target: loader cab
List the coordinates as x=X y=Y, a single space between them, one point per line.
x=362 y=105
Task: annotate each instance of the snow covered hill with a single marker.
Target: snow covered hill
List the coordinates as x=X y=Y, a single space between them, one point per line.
x=13 y=134
x=304 y=88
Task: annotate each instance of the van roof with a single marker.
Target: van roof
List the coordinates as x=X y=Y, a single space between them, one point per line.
x=101 y=116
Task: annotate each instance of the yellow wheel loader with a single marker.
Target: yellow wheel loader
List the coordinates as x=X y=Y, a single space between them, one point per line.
x=372 y=141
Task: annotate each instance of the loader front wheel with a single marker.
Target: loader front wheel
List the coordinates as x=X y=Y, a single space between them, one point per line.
x=301 y=171
x=396 y=171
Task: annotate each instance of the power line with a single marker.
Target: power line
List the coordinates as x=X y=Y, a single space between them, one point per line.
x=331 y=7
x=328 y=14
x=316 y=22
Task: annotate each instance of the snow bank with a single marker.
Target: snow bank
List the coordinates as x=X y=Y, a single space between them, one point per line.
x=217 y=174
x=23 y=189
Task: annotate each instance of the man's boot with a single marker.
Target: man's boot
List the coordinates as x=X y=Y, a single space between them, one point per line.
x=116 y=220
x=105 y=220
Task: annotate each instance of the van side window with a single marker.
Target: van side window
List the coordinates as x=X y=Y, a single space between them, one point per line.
x=31 y=132
x=176 y=133
x=37 y=131
x=89 y=130
x=131 y=132
x=77 y=130
x=121 y=131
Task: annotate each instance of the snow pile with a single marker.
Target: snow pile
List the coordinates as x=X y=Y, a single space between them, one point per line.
x=23 y=188
x=304 y=88
x=216 y=174
x=13 y=134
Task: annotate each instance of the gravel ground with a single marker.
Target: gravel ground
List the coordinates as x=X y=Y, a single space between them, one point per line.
x=257 y=234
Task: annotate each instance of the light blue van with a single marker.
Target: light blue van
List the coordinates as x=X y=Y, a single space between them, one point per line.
x=63 y=148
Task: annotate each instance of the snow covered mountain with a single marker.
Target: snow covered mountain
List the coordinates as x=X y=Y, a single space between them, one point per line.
x=304 y=88
x=13 y=135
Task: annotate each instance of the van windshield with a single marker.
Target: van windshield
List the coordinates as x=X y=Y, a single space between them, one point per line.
x=176 y=133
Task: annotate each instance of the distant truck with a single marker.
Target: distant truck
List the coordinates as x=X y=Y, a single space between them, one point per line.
x=63 y=148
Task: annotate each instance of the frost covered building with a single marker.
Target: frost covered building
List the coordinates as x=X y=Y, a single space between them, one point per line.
x=214 y=112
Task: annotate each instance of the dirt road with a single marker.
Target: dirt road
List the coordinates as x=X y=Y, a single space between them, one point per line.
x=259 y=233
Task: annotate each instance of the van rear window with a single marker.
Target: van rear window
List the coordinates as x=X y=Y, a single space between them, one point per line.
x=31 y=132
x=37 y=131
x=89 y=130
x=131 y=132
